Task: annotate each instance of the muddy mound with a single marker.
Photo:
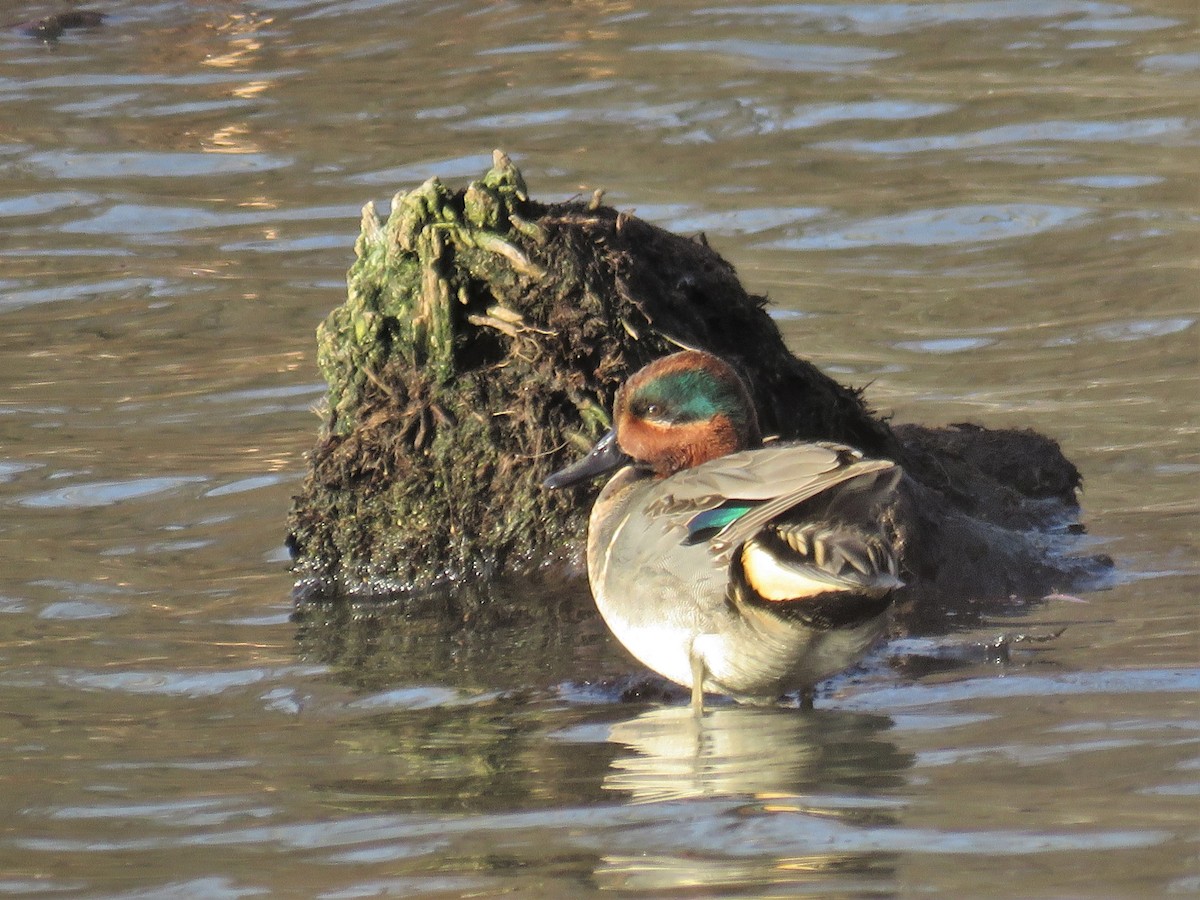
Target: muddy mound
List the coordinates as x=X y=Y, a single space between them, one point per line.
x=481 y=343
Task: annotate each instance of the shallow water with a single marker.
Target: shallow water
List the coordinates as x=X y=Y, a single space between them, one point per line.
x=984 y=211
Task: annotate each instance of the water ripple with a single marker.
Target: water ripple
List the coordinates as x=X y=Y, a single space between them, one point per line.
x=780 y=57
x=890 y=18
x=891 y=110
x=934 y=227
x=11 y=605
x=76 y=610
x=789 y=826
x=41 y=204
x=944 y=345
x=1130 y=330
x=147 y=164
x=145 y=219
x=740 y=221
x=421 y=697
x=1119 y=23
x=252 y=483
x=1172 y=62
x=31 y=887
x=10 y=470
x=1114 y=181
x=105 y=493
x=558 y=47
x=703 y=121
x=154 y=81
x=720 y=826
x=1024 y=133
x=183 y=684
x=1113 y=683
x=417 y=173
x=199 y=812
x=84 y=290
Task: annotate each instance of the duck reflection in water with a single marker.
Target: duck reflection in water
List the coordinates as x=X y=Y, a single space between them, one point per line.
x=755 y=797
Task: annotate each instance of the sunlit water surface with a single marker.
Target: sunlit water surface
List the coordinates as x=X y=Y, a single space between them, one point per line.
x=985 y=210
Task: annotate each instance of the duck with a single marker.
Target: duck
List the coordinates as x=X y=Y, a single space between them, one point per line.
x=728 y=564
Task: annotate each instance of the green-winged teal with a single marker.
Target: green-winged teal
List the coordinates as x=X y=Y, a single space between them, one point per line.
x=725 y=564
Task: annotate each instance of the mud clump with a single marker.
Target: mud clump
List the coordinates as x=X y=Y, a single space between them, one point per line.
x=483 y=337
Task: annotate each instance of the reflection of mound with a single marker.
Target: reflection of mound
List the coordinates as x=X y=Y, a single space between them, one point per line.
x=457 y=640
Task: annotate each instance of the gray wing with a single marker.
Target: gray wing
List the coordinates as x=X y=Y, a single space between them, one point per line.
x=776 y=477
x=750 y=524
x=760 y=474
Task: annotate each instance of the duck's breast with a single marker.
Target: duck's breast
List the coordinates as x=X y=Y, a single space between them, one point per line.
x=655 y=591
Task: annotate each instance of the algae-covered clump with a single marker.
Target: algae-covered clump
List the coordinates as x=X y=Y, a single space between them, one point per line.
x=481 y=342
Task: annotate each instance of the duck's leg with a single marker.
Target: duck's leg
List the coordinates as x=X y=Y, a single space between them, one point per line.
x=697 y=683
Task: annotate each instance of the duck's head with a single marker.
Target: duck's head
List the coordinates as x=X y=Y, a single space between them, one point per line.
x=677 y=412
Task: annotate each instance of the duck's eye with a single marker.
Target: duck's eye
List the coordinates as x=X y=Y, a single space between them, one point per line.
x=651 y=410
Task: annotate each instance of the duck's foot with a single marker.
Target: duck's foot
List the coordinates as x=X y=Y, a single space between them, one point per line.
x=697 y=685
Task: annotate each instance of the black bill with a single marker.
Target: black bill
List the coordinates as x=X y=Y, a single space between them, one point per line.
x=604 y=457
